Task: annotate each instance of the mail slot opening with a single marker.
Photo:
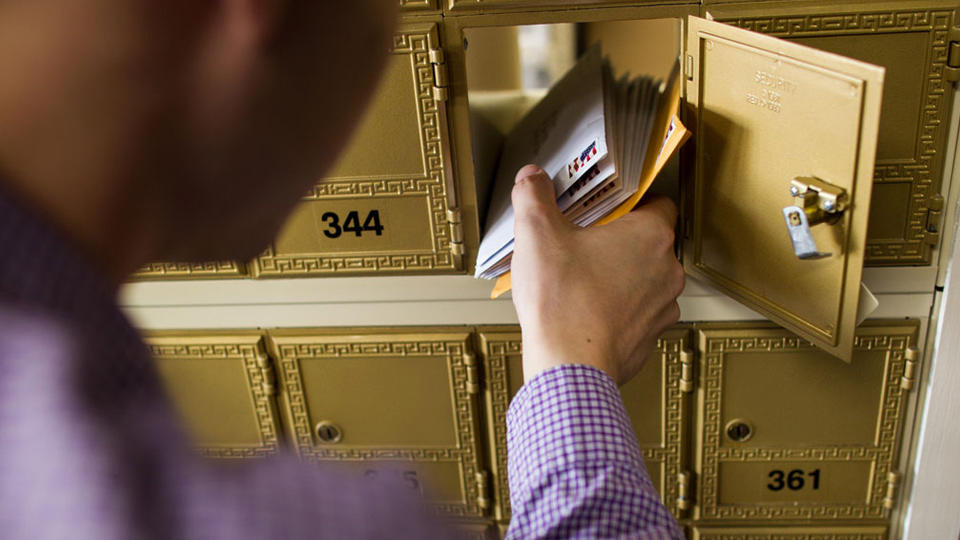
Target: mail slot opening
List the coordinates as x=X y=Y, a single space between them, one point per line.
x=586 y=101
x=510 y=69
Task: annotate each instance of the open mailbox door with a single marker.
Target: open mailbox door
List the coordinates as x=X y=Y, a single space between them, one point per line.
x=776 y=208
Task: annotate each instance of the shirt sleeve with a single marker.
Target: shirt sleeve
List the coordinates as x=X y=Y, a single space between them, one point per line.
x=574 y=465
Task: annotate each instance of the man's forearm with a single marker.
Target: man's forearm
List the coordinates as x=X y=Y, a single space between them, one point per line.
x=575 y=468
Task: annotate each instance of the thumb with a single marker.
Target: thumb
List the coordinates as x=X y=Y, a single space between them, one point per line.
x=534 y=201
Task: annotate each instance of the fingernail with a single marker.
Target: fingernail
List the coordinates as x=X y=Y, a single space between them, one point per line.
x=527 y=171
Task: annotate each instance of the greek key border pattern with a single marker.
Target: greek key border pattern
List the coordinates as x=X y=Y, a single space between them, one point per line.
x=496 y=357
x=745 y=535
x=673 y=421
x=467 y=451
x=923 y=172
x=883 y=455
x=432 y=186
x=497 y=354
x=263 y=404
x=169 y=270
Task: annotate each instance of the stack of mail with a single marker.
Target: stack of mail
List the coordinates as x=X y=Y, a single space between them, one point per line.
x=601 y=141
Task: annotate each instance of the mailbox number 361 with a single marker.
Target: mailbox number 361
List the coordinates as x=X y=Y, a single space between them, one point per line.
x=794 y=480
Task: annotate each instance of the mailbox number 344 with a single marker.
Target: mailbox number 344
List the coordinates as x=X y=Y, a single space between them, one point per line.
x=351 y=223
x=794 y=480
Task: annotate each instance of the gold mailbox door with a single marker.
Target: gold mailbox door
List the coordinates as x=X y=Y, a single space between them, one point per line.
x=389 y=205
x=224 y=387
x=656 y=400
x=787 y=432
x=766 y=114
x=911 y=42
x=388 y=404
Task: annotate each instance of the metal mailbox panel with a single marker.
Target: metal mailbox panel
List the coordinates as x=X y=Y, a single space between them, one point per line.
x=478 y=530
x=388 y=403
x=494 y=6
x=223 y=386
x=414 y=7
x=207 y=270
x=654 y=400
x=767 y=112
x=868 y=532
x=787 y=432
x=911 y=41
x=389 y=204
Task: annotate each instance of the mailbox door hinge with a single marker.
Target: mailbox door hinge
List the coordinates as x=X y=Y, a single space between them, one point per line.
x=440 y=78
x=890 y=500
x=455 y=222
x=908 y=381
x=951 y=71
x=268 y=375
x=473 y=372
x=483 y=490
x=684 y=488
x=441 y=93
x=931 y=229
x=686 y=382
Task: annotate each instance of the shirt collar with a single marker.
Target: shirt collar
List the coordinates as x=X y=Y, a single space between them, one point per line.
x=41 y=270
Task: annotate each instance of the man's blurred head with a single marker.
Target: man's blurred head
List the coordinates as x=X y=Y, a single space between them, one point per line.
x=201 y=120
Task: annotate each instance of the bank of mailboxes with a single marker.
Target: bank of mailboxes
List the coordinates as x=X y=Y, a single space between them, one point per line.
x=745 y=428
x=778 y=123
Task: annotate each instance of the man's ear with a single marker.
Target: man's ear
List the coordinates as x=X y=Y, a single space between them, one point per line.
x=228 y=60
x=251 y=21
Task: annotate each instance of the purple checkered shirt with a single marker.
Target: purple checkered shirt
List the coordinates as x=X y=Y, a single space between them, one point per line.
x=90 y=448
x=574 y=464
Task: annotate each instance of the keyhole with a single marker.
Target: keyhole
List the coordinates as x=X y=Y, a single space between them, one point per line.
x=795 y=219
x=328 y=432
x=739 y=430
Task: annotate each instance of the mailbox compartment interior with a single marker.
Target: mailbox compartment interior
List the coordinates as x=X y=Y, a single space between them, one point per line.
x=508 y=69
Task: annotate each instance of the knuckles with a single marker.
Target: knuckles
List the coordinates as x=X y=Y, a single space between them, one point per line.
x=673 y=313
x=678 y=278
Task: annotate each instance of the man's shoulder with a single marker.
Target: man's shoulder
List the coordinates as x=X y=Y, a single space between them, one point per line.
x=26 y=331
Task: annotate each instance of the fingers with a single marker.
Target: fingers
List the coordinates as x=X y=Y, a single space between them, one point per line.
x=534 y=199
x=660 y=206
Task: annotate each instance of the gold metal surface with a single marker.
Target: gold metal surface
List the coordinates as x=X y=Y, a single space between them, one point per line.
x=223 y=386
x=824 y=436
x=820 y=200
x=773 y=532
x=404 y=403
x=658 y=409
x=477 y=530
x=760 y=107
x=385 y=206
x=659 y=39
x=208 y=270
x=911 y=40
x=418 y=6
x=456 y=7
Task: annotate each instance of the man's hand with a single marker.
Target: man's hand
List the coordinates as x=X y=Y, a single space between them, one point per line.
x=595 y=296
